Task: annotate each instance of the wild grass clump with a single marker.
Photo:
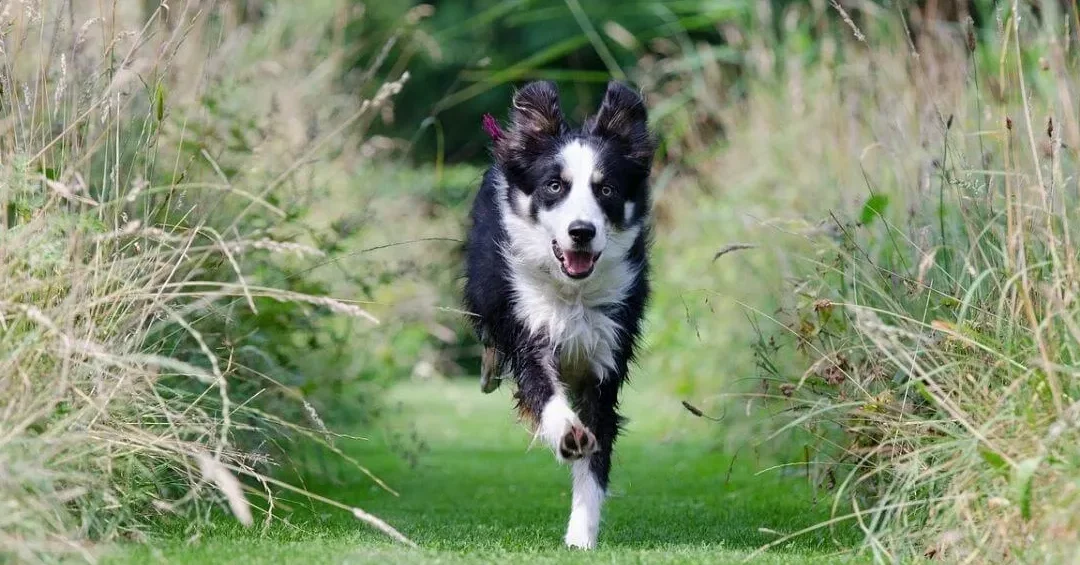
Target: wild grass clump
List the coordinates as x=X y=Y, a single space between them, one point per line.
x=927 y=351
x=148 y=171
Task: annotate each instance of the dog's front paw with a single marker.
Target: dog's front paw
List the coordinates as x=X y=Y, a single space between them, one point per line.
x=580 y=537
x=576 y=443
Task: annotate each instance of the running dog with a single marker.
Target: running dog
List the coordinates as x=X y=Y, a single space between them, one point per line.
x=557 y=275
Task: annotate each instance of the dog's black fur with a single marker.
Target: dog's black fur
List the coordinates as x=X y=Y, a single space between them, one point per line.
x=529 y=161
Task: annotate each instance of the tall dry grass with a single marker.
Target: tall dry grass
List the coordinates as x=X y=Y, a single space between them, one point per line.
x=924 y=353
x=149 y=156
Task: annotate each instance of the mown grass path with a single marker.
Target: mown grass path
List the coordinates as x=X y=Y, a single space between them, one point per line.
x=472 y=492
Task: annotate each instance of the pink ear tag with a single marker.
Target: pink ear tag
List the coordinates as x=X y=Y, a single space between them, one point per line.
x=492 y=127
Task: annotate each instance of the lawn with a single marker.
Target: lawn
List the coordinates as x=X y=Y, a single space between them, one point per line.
x=471 y=491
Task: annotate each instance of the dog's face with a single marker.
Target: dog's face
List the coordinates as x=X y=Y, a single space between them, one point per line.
x=581 y=195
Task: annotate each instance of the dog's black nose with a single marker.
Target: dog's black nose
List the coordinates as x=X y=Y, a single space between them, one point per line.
x=582 y=232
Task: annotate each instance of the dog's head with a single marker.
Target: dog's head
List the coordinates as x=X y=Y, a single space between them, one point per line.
x=582 y=192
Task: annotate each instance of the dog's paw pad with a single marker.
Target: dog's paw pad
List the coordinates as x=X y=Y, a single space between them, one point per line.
x=580 y=543
x=577 y=442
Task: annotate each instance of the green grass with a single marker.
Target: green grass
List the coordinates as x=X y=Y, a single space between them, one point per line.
x=472 y=492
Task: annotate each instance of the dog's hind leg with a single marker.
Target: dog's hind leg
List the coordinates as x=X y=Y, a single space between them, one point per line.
x=597 y=404
x=490 y=369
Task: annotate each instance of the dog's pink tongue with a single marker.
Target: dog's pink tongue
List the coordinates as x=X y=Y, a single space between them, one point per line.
x=578 y=262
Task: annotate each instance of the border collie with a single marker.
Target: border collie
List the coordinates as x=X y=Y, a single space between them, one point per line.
x=557 y=277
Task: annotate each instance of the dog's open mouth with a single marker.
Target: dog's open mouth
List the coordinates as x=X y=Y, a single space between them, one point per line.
x=576 y=264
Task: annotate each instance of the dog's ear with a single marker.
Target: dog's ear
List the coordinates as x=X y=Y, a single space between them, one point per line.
x=623 y=117
x=535 y=118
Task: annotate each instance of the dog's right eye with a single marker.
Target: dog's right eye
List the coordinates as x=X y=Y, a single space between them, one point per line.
x=555 y=186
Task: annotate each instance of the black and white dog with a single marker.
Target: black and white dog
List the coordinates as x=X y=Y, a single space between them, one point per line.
x=557 y=277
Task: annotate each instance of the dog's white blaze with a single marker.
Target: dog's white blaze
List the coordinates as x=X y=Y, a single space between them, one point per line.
x=628 y=212
x=569 y=312
x=520 y=203
x=556 y=420
x=579 y=170
x=588 y=499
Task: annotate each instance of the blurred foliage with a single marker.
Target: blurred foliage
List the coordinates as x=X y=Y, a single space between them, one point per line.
x=295 y=359
x=465 y=56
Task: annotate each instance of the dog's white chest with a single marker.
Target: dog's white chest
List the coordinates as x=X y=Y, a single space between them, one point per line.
x=583 y=334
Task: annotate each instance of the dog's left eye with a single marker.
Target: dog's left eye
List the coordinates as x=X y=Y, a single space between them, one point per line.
x=606 y=190
x=555 y=186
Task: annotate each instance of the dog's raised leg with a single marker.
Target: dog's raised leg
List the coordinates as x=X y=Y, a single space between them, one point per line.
x=542 y=400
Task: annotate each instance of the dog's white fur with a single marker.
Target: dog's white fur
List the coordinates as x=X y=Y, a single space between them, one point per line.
x=588 y=499
x=580 y=173
x=549 y=302
x=556 y=421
